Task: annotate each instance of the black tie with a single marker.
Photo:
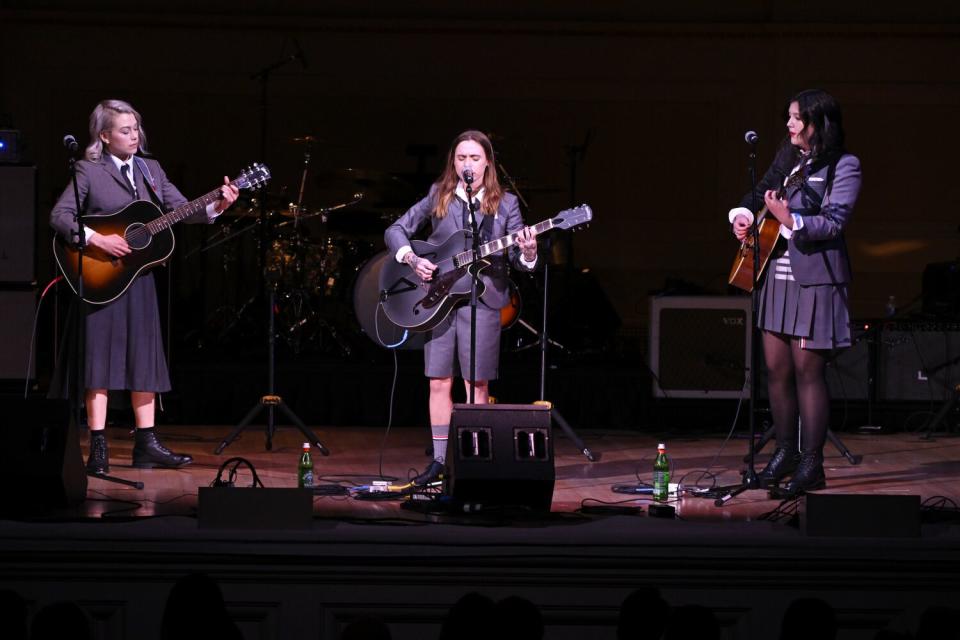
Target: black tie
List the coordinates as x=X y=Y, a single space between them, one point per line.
x=125 y=170
x=466 y=216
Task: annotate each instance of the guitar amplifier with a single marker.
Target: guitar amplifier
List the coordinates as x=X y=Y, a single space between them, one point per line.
x=700 y=346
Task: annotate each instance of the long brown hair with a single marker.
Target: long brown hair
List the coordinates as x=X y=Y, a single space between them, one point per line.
x=446 y=184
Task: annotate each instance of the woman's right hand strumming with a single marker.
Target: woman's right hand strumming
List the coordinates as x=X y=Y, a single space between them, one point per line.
x=741 y=226
x=113 y=244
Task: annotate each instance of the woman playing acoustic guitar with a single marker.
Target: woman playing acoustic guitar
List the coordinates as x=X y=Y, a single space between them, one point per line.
x=123 y=346
x=804 y=306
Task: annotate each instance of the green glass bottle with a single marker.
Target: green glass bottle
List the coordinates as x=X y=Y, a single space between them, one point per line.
x=305 y=469
x=661 y=474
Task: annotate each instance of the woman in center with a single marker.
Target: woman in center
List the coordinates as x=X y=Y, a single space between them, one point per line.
x=446 y=210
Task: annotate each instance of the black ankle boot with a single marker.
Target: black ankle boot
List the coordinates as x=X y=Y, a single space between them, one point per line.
x=809 y=477
x=149 y=452
x=782 y=464
x=99 y=460
x=432 y=473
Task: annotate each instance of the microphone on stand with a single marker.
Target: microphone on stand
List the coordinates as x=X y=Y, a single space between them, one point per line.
x=70 y=144
x=468 y=176
x=751 y=137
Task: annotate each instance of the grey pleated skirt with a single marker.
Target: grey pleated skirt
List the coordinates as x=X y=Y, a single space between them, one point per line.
x=122 y=348
x=817 y=314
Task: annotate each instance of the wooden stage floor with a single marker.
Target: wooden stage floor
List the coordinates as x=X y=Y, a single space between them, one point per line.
x=899 y=464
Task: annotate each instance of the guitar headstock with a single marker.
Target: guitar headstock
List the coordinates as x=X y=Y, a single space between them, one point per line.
x=570 y=218
x=253 y=177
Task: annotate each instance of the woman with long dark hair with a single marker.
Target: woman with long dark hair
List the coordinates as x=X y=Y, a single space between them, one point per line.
x=804 y=302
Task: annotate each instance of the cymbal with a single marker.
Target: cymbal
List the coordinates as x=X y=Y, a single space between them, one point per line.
x=379 y=188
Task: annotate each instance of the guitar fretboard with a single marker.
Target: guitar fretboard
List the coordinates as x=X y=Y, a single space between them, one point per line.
x=184 y=211
x=466 y=257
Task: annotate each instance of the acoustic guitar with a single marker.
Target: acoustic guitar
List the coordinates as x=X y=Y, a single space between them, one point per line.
x=768 y=231
x=148 y=232
x=420 y=305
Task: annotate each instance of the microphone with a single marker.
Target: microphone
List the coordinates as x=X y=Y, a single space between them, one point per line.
x=70 y=144
x=468 y=176
x=751 y=137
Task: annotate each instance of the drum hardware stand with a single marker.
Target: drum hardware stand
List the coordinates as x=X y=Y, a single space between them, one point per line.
x=545 y=340
x=270 y=400
x=79 y=330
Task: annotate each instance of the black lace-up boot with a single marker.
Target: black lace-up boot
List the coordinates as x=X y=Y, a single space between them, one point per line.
x=99 y=460
x=782 y=464
x=149 y=452
x=808 y=477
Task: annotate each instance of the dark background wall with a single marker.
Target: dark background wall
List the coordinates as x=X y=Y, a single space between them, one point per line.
x=654 y=100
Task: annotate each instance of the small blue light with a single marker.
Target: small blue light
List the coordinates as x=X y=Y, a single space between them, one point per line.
x=3 y=145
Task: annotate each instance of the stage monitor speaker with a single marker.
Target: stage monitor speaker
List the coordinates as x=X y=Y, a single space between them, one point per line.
x=861 y=515
x=500 y=455
x=700 y=346
x=41 y=465
x=919 y=362
x=17 y=309
x=18 y=219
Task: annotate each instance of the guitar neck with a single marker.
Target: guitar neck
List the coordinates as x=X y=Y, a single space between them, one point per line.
x=183 y=212
x=508 y=241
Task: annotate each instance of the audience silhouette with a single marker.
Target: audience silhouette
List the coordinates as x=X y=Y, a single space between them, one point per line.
x=643 y=615
x=61 y=620
x=195 y=609
x=14 y=615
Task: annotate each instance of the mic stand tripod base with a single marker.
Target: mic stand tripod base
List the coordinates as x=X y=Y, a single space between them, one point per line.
x=750 y=481
x=136 y=484
x=577 y=442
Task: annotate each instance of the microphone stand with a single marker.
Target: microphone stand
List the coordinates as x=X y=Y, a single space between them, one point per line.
x=474 y=285
x=79 y=327
x=544 y=338
x=270 y=399
x=750 y=480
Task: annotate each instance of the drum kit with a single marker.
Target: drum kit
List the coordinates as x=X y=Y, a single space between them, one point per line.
x=311 y=257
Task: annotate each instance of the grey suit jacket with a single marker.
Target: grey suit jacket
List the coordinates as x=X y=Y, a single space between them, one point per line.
x=818 y=251
x=103 y=191
x=507 y=220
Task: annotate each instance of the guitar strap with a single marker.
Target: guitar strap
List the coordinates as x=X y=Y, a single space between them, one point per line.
x=148 y=178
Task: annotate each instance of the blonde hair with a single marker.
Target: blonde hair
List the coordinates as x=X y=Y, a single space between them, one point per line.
x=102 y=119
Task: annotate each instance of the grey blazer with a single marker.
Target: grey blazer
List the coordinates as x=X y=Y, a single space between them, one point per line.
x=507 y=220
x=103 y=190
x=818 y=251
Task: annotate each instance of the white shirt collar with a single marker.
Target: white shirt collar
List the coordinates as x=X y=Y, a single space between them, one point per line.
x=462 y=194
x=119 y=163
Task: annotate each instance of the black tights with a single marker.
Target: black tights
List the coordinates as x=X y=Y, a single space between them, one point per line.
x=796 y=381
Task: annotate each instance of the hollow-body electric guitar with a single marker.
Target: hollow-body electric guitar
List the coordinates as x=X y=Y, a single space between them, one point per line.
x=420 y=305
x=147 y=231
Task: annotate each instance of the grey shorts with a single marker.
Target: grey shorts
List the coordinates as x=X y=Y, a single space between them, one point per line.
x=447 y=350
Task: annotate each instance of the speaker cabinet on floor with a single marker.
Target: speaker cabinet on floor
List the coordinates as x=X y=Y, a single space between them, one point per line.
x=700 y=346
x=18 y=219
x=41 y=465
x=17 y=309
x=500 y=455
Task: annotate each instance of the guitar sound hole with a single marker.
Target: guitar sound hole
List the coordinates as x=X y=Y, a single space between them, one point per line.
x=137 y=236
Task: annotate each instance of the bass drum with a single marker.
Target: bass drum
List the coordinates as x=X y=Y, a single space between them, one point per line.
x=370 y=315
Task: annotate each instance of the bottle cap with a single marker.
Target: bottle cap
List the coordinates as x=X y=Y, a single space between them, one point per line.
x=306 y=445
x=661 y=446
